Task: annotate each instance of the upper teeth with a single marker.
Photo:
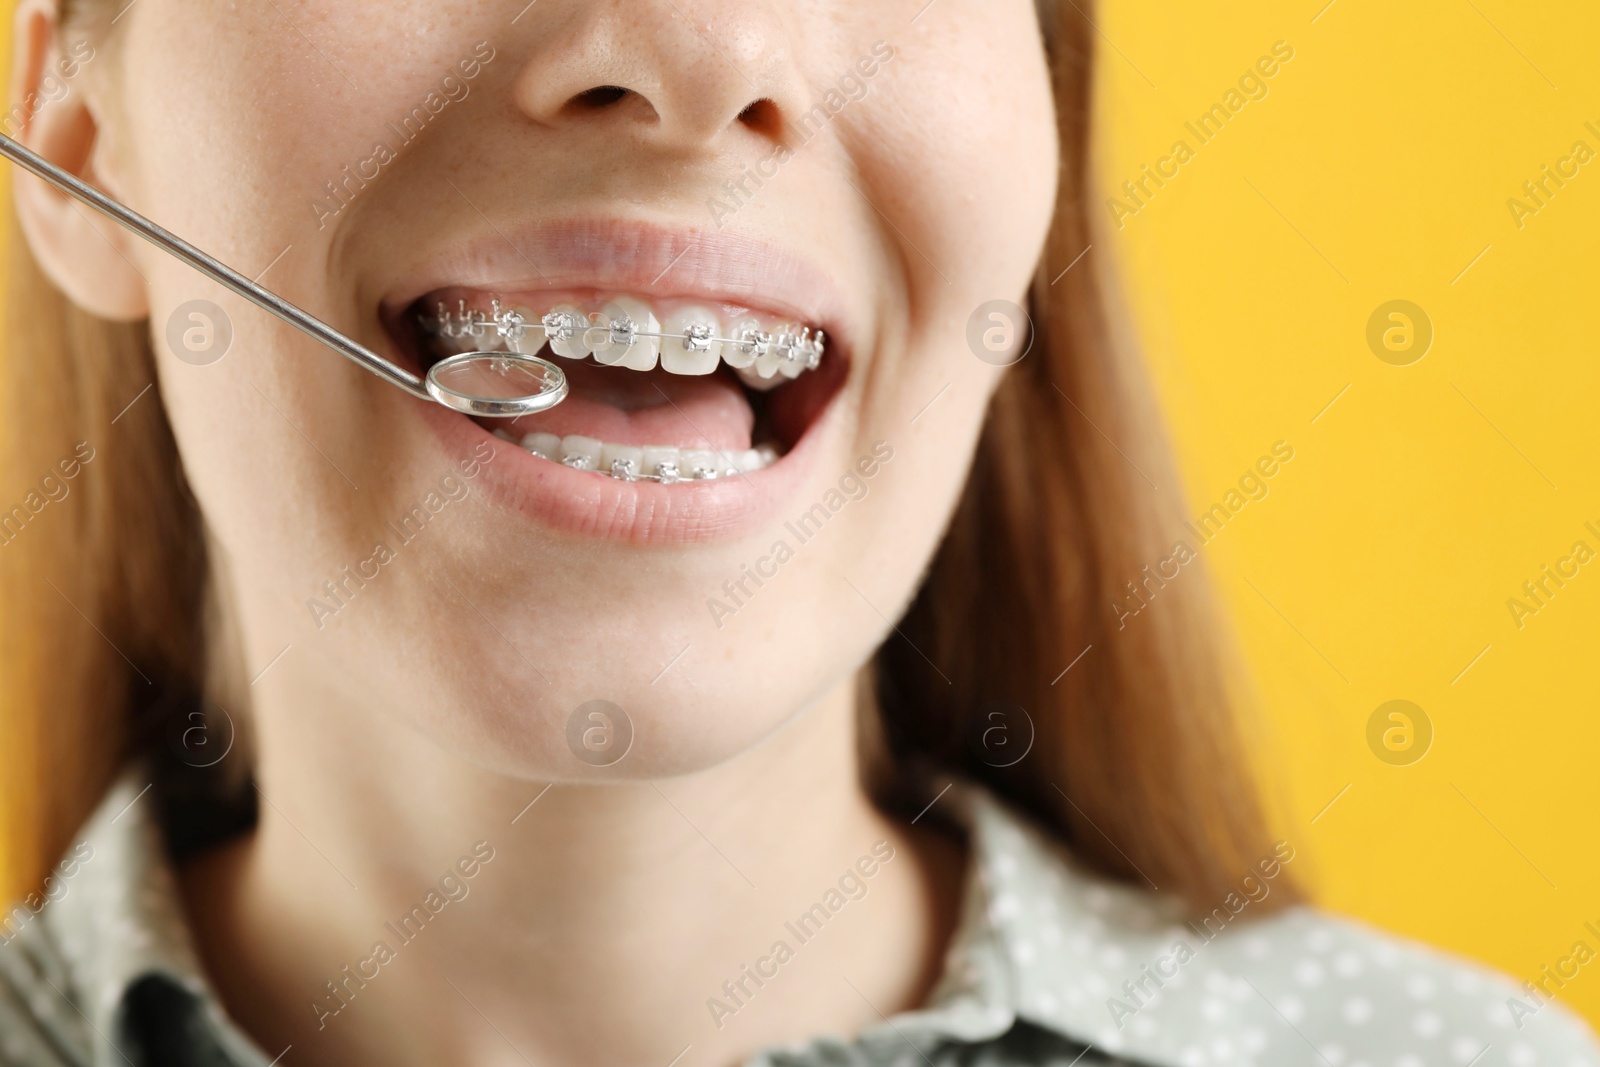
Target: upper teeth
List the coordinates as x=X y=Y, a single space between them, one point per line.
x=626 y=333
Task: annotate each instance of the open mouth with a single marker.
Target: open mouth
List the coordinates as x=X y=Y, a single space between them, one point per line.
x=662 y=389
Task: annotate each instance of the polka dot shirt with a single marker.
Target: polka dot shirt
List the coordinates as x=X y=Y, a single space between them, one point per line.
x=1050 y=966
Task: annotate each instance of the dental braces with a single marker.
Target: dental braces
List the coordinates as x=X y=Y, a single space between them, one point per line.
x=803 y=346
x=666 y=472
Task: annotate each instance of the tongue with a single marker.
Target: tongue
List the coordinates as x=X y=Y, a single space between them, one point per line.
x=629 y=407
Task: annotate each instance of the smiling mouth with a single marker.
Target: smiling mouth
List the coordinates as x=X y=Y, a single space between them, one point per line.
x=662 y=390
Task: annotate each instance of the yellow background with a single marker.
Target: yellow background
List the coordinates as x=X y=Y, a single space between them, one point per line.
x=1378 y=167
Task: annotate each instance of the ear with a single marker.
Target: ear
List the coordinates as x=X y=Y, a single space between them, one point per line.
x=88 y=257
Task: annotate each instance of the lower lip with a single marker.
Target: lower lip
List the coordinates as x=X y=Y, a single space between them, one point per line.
x=592 y=505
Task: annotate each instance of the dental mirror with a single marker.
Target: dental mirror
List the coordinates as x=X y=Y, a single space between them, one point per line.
x=493 y=384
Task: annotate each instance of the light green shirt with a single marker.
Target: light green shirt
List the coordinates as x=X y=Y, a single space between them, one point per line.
x=1050 y=965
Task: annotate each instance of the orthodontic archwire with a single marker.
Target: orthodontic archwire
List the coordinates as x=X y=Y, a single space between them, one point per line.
x=804 y=347
x=667 y=473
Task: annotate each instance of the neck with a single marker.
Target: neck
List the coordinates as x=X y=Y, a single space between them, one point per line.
x=464 y=916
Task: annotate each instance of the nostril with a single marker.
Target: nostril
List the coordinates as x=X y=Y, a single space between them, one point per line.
x=598 y=97
x=762 y=116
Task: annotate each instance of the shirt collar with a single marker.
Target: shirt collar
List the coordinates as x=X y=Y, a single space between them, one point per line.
x=122 y=921
x=1038 y=938
x=1043 y=939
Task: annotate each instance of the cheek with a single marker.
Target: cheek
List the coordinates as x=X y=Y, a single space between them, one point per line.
x=957 y=146
x=297 y=94
x=277 y=433
x=964 y=151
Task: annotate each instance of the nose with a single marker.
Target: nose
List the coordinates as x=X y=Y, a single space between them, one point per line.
x=677 y=74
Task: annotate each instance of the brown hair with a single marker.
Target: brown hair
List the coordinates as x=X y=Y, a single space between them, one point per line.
x=1136 y=763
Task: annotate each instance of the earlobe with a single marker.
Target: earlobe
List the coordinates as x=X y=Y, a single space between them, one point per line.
x=87 y=256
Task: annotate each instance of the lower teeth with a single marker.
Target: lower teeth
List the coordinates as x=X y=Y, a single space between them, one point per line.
x=651 y=463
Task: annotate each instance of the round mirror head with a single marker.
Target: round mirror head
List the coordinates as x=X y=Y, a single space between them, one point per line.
x=497 y=384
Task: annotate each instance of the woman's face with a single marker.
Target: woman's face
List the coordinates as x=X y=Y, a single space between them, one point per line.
x=878 y=170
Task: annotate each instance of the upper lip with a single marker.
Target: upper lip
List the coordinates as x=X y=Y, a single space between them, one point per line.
x=630 y=257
